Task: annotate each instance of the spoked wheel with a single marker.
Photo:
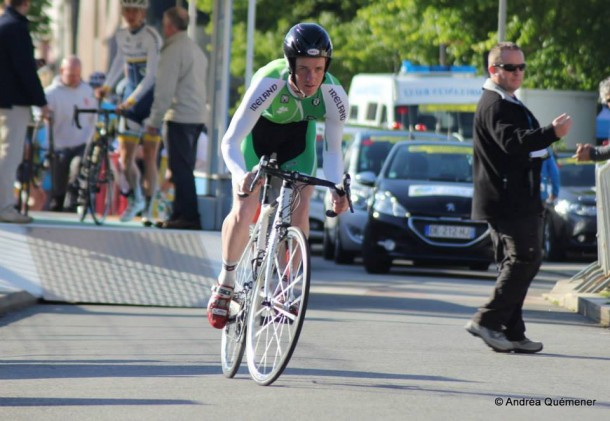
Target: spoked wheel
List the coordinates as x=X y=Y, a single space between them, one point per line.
x=277 y=314
x=100 y=185
x=234 y=334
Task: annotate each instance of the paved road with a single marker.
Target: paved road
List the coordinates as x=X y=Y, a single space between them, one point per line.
x=373 y=347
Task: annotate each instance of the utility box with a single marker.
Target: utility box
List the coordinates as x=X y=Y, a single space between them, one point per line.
x=580 y=105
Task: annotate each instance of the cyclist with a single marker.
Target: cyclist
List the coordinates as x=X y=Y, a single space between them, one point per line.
x=97 y=79
x=137 y=57
x=277 y=115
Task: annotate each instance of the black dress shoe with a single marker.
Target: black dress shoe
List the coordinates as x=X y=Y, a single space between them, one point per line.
x=181 y=224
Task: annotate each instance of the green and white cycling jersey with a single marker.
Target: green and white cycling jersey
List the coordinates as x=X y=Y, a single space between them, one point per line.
x=270 y=97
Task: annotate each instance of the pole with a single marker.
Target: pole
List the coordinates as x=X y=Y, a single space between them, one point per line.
x=192 y=28
x=250 y=40
x=501 y=20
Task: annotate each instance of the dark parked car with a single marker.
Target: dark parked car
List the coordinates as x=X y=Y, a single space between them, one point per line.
x=420 y=209
x=571 y=221
x=363 y=160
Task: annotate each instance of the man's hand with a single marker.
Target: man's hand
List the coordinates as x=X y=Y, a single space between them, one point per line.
x=562 y=125
x=46 y=113
x=246 y=182
x=127 y=104
x=339 y=203
x=583 y=152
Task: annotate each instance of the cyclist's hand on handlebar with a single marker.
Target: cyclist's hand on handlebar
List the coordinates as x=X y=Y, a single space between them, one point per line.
x=246 y=182
x=339 y=203
x=101 y=92
x=126 y=105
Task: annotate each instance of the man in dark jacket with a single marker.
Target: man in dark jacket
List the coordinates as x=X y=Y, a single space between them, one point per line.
x=20 y=88
x=509 y=146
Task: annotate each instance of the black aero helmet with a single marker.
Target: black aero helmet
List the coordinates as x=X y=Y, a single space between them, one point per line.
x=307 y=40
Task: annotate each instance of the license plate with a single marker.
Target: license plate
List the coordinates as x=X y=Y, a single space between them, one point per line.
x=450 y=231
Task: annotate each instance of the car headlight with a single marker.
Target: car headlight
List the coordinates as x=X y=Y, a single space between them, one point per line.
x=564 y=207
x=386 y=203
x=360 y=198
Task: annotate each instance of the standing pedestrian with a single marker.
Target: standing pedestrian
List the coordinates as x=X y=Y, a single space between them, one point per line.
x=20 y=89
x=588 y=152
x=67 y=91
x=549 y=179
x=509 y=146
x=180 y=105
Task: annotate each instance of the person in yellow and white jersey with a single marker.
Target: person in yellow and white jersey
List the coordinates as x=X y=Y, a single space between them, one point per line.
x=137 y=58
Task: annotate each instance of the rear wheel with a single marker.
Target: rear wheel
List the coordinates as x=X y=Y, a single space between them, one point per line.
x=341 y=256
x=328 y=249
x=234 y=334
x=277 y=313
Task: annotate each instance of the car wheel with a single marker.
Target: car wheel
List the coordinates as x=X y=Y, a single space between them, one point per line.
x=341 y=256
x=374 y=259
x=328 y=249
x=551 y=244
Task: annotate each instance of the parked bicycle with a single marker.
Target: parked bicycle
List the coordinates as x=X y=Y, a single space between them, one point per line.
x=272 y=280
x=37 y=160
x=97 y=174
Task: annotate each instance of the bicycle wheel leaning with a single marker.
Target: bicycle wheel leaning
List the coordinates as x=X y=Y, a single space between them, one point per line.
x=278 y=312
x=100 y=184
x=234 y=334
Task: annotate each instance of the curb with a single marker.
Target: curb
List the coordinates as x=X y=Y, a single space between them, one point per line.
x=592 y=306
x=10 y=301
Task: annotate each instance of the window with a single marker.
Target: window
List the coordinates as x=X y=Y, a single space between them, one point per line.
x=353 y=112
x=371 y=111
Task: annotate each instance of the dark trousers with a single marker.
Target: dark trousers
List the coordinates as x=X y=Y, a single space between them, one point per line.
x=518 y=248
x=65 y=172
x=182 y=154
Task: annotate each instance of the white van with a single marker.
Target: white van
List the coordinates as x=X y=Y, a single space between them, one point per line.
x=441 y=99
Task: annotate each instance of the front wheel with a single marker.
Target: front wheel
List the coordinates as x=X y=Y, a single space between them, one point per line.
x=374 y=259
x=100 y=185
x=551 y=243
x=278 y=311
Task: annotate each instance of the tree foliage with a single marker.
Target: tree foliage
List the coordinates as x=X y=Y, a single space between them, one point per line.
x=565 y=43
x=39 y=19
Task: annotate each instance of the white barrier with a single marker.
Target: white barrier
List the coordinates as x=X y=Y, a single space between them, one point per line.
x=602 y=182
x=596 y=277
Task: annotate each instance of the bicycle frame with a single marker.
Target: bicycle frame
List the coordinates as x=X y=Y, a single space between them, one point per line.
x=95 y=158
x=273 y=278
